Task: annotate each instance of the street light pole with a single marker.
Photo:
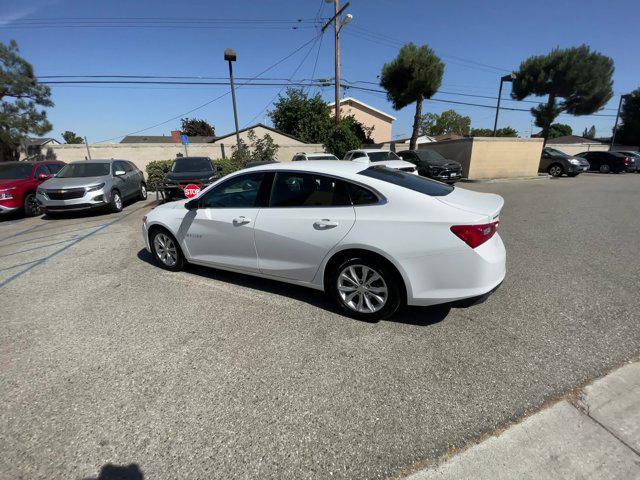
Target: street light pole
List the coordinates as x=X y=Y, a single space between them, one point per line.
x=615 y=126
x=336 y=39
x=230 y=56
x=504 y=78
x=86 y=144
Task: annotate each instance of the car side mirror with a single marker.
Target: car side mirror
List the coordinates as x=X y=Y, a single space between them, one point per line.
x=192 y=204
x=119 y=173
x=43 y=176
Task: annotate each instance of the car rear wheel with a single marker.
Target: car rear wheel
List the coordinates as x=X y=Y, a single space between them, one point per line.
x=556 y=170
x=30 y=205
x=604 y=168
x=365 y=288
x=166 y=251
x=116 y=201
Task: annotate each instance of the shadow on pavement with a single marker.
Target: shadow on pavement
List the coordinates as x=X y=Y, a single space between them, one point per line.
x=420 y=316
x=119 y=472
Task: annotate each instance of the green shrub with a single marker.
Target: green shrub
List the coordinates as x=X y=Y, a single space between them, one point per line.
x=156 y=171
x=229 y=165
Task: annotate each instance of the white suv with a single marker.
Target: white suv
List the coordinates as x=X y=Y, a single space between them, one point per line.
x=380 y=157
x=301 y=156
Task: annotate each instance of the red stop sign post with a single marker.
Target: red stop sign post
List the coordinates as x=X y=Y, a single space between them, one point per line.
x=191 y=190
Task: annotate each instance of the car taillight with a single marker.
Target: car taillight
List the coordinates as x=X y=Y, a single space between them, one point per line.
x=475 y=235
x=627 y=160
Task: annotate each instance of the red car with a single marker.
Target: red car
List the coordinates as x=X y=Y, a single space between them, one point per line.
x=18 y=184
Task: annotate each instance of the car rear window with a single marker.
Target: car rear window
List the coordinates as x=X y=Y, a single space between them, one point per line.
x=408 y=180
x=191 y=164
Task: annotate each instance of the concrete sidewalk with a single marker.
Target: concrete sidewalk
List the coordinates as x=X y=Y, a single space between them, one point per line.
x=594 y=435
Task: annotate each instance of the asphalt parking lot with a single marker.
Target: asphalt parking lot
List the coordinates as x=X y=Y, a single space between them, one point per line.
x=106 y=358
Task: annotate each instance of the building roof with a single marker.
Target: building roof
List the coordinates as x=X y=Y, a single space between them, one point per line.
x=259 y=125
x=164 y=139
x=571 y=139
x=32 y=141
x=351 y=99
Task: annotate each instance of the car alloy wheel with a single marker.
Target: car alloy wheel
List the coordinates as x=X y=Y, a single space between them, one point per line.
x=165 y=250
x=143 y=191
x=31 y=207
x=605 y=168
x=116 y=201
x=362 y=289
x=555 y=170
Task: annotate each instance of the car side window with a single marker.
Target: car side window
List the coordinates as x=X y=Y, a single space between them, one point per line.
x=361 y=196
x=358 y=155
x=55 y=167
x=126 y=166
x=40 y=169
x=237 y=192
x=348 y=156
x=116 y=166
x=295 y=189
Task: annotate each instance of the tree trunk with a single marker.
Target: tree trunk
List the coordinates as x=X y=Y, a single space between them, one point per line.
x=551 y=103
x=416 y=124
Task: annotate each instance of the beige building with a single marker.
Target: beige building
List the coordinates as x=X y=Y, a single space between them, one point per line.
x=369 y=116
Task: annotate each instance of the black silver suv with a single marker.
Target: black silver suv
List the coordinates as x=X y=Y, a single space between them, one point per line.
x=433 y=165
x=199 y=171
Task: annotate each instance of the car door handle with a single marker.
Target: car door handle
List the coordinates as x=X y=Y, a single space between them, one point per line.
x=241 y=220
x=325 y=223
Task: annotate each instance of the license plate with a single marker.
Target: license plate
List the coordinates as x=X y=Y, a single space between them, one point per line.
x=453 y=175
x=584 y=169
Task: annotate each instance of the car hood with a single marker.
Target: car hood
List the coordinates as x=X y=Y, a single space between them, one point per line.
x=73 y=182
x=13 y=182
x=486 y=204
x=173 y=205
x=204 y=175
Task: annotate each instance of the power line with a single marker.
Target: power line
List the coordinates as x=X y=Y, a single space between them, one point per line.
x=216 y=98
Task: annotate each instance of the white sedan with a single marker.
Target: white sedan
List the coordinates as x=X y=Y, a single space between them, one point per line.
x=372 y=237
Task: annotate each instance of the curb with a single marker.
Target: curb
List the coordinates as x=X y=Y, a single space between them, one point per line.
x=500 y=180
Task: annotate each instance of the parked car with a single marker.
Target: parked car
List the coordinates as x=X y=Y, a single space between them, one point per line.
x=372 y=237
x=605 y=162
x=557 y=163
x=433 y=165
x=301 y=156
x=380 y=157
x=92 y=184
x=19 y=182
x=635 y=156
x=200 y=171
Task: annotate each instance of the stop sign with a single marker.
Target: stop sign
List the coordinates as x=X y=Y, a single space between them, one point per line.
x=191 y=190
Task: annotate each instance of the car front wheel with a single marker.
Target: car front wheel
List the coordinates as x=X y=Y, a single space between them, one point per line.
x=30 y=205
x=605 y=168
x=142 y=192
x=365 y=288
x=556 y=170
x=166 y=251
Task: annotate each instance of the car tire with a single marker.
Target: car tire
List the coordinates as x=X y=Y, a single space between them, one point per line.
x=115 y=205
x=604 y=168
x=366 y=288
x=166 y=250
x=142 y=193
x=30 y=206
x=555 y=170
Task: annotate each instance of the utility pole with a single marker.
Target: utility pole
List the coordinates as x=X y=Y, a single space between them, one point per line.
x=615 y=126
x=86 y=144
x=230 y=56
x=336 y=39
x=504 y=78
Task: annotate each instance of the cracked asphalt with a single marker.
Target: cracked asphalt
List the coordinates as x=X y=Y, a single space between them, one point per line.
x=105 y=358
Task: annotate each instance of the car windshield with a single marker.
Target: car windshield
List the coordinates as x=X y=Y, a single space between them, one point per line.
x=555 y=153
x=191 y=164
x=10 y=171
x=429 y=155
x=408 y=180
x=323 y=157
x=382 y=156
x=85 y=169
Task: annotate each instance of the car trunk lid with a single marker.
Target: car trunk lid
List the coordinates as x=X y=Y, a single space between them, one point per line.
x=488 y=205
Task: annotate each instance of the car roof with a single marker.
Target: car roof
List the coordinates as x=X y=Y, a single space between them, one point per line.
x=369 y=150
x=321 y=166
x=316 y=154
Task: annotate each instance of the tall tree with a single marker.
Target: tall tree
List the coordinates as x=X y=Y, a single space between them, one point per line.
x=415 y=74
x=589 y=132
x=576 y=81
x=629 y=129
x=71 y=138
x=304 y=117
x=193 y=127
x=448 y=121
x=488 y=132
x=20 y=97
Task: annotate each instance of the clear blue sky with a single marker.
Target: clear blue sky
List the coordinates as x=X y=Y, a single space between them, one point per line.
x=498 y=34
